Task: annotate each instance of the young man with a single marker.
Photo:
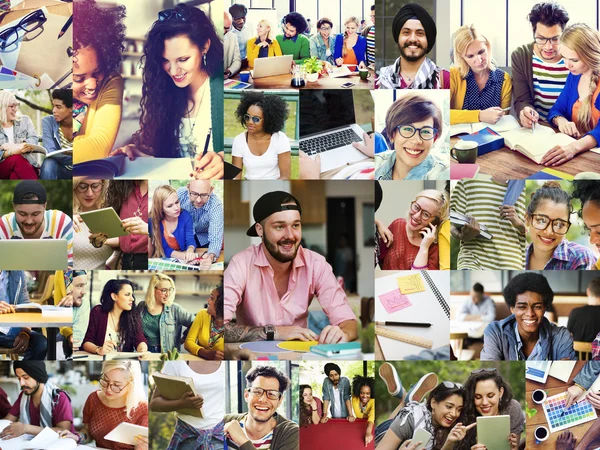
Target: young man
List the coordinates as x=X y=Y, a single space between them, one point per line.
x=584 y=322
x=414 y=31
x=539 y=72
x=57 y=133
x=270 y=286
x=588 y=193
x=479 y=307
x=336 y=392
x=293 y=41
x=40 y=404
x=31 y=220
x=262 y=426
x=369 y=34
x=231 y=48
x=69 y=290
x=206 y=210
x=240 y=30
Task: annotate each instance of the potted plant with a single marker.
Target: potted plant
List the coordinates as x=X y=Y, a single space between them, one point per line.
x=312 y=66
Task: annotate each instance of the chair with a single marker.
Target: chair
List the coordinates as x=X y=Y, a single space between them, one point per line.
x=12 y=354
x=583 y=350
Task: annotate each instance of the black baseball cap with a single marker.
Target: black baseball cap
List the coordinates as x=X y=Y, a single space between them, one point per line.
x=270 y=203
x=29 y=187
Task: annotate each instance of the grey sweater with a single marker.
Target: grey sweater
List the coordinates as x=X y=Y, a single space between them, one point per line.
x=522 y=77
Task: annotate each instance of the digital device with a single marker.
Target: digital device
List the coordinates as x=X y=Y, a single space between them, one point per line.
x=347 y=85
x=271 y=66
x=421 y=435
x=33 y=254
x=105 y=221
x=493 y=432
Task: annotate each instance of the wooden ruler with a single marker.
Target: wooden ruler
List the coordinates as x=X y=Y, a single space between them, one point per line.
x=414 y=340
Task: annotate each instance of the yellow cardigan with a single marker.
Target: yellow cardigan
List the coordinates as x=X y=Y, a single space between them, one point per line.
x=369 y=411
x=444 y=245
x=199 y=334
x=60 y=292
x=99 y=129
x=252 y=50
x=458 y=89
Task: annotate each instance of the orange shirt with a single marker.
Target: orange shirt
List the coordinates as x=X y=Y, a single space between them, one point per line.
x=350 y=57
x=595 y=112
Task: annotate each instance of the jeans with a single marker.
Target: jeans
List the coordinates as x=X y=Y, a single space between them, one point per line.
x=38 y=346
x=55 y=168
x=16 y=167
x=134 y=261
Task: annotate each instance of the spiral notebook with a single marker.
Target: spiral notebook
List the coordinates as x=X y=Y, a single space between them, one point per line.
x=438 y=295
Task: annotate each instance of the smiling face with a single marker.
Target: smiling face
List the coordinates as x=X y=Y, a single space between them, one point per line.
x=182 y=60
x=529 y=311
x=238 y=23
x=446 y=411
x=262 y=29
x=351 y=27
x=412 y=151
x=547 y=240
x=365 y=395
x=412 y=40
x=88 y=198
x=30 y=219
x=124 y=298
x=171 y=207
x=549 y=52
x=263 y=408
x=251 y=126
x=416 y=221
x=325 y=31
x=29 y=386
x=487 y=398
x=289 y=30
x=12 y=109
x=334 y=377
x=281 y=234
x=591 y=218
x=160 y=297
x=476 y=56
x=307 y=397
x=87 y=75
x=573 y=62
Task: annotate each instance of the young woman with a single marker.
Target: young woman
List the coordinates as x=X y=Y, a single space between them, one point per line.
x=263 y=45
x=162 y=319
x=182 y=92
x=488 y=394
x=414 y=245
x=171 y=227
x=479 y=92
x=115 y=324
x=363 y=403
x=322 y=44
x=577 y=109
x=263 y=148
x=588 y=193
x=548 y=221
x=311 y=408
x=121 y=399
x=98 y=41
x=17 y=131
x=413 y=124
x=350 y=48
x=192 y=432
x=205 y=338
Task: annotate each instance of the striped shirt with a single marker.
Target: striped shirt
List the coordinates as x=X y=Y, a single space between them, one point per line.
x=548 y=81
x=264 y=443
x=57 y=225
x=566 y=256
x=371 y=45
x=64 y=142
x=208 y=221
x=482 y=200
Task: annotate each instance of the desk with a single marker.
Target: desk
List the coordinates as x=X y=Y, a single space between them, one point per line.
x=346 y=435
x=323 y=82
x=286 y=355
x=552 y=387
x=82 y=355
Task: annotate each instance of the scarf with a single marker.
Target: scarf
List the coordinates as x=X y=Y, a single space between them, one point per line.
x=429 y=76
x=50 y=396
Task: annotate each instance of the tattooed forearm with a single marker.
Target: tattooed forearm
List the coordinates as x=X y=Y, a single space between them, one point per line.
x=242 y=333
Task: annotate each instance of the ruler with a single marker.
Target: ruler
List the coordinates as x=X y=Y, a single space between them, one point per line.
x=414 y=340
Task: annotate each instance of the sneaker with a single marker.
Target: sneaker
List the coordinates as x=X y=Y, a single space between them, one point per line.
x=419 y=391
x=390 y=377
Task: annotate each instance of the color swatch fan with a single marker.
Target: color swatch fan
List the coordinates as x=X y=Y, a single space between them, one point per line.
x=578 y=413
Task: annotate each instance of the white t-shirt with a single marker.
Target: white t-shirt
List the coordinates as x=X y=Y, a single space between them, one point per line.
x=210 y=386
x=266 y=166
x=337 y=402
x=10 y=134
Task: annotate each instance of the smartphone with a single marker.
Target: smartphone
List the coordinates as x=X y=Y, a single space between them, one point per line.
x=421 y=435
x=436 y=221
x=347 y=85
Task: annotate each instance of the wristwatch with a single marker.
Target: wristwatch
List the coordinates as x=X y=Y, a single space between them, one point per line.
x=270 y=330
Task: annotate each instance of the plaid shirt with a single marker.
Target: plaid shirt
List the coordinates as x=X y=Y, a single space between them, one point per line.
x=596 y=348
x=567 y=256
x=204 y=438
x=208 y=220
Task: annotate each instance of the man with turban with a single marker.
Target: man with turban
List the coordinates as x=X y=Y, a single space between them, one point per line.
x=414 y=31
x=40 y=403
x=240 y=29
x=336 y=391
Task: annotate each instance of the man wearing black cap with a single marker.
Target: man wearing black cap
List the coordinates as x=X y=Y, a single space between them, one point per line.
x=336 y=392
x=40 y=404
x=31 y=220
x=414 y=31
x=268 y=287
x=240 y=29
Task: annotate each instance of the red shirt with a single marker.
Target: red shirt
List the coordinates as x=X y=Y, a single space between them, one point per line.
x=134 y=243
x=61 y=412
x=402 y=254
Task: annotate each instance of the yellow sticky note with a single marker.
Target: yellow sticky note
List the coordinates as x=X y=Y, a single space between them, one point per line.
x=410 y=284
x=297 y=346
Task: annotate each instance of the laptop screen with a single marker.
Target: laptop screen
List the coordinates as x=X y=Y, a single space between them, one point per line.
x=322 y=110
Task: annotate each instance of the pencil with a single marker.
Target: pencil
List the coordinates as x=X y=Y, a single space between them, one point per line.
x=405 y=324
x=65 y=27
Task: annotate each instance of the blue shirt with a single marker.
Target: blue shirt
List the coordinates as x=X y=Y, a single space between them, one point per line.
x=360 y=49
x=567 y=256
x=489 y=97
x=208 y=220
x=184 y=233
x=344 y=392
x=13 y=290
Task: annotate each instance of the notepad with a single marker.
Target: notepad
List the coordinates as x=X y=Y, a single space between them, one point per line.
x=297 y=346
x=394 y=301
x=410 y=284
x=125 y=433
x=172 y=388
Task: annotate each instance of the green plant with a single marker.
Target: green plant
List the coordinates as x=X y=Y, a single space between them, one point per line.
x=530 y=412
x=313 y=65
x=171 y=355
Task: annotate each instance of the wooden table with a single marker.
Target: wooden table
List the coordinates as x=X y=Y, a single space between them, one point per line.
x=323 y=82
x=85 y=356
x=553 y=386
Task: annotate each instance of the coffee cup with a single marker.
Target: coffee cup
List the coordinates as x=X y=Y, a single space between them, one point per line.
x=465 y=152
x=541 y=433
x=364 y=74
x=245 y=76
x=538 y=396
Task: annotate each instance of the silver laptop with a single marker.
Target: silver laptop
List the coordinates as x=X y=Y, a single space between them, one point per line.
x=33 y=254
x=273 y=65
x=328 y=127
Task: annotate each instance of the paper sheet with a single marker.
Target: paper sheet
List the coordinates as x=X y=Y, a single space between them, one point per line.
x=48 y=439
x=561 y=370
x=410 y=284
x=394 y=301
x=10 y=58
x=126 y=432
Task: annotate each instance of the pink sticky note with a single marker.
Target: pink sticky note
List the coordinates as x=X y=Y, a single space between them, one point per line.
x=394 y=301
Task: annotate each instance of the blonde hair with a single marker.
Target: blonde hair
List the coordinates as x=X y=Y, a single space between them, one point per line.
x=442 y=201
x=349 y=19
x=6 y=97
x=266 y=22
x=101 y=197
x=585 y=41
x=157 y=278
x=135 y=393
x=157 y=215
x=465 y=36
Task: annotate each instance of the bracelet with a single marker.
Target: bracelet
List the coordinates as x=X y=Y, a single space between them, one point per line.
x=418 y=267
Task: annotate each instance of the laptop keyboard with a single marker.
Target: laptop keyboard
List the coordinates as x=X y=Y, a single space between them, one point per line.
x=330 y=141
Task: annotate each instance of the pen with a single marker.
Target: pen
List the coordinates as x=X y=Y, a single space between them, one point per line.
x=65 y=27
x=207 y=142
x=565 y=409
x=405 y=324
x=506 y=109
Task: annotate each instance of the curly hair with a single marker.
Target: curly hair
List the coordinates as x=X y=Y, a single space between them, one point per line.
x=219 y=301
x=117 y=193
x=274 y=108
x=268 y=372
x=528 y=282
x=548 y=14
x=359 y=381
x=586 y=191
x=102 y=29
x=305 y=410
x=296 y=20
x=164 y=104
x=129 y=322
x=64 y=95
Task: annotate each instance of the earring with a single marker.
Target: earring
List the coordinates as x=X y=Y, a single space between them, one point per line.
x=204 y=59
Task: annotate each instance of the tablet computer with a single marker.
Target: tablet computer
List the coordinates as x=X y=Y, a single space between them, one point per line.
x=104 y=221
x=421 y=435
x=493 y=432
x=33 y=254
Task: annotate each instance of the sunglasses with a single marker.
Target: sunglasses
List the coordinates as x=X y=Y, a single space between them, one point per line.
x=177 y=13
x=485 y=370
x=452 y=385
x=255 y=119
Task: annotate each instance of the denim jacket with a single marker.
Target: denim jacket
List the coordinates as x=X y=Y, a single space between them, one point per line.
x=172 y=321
x=16 y=290
x=588 y=374
x=344 y=389
x=50 y=137
x=431 y=168
x=318 y=49
x=500 y=342
x=23 y=131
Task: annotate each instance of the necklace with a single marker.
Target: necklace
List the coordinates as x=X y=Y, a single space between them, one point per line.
x=190 y=137
x=138 y=212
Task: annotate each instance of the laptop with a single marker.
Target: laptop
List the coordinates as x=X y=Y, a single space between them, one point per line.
x=328 y=127
x=33 y=254
x=273 y=65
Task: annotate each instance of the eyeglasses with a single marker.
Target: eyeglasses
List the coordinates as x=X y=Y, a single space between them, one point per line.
x=14 y=106
x=416 y=208
x=195 y=195
x=116 y=389
x=425 y=133
x=177 y=13
x=452 y=385
x=271 y=394
x=541 y=41
x=255 y=119
x=325 y=28
x=29 y=23
x=82 y=187
x=541 y=222
x=164 y=291
x=484 y=370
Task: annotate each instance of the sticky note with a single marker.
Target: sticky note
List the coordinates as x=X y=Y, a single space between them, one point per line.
x=394 y=301
x=410 y=284
x=297 y=346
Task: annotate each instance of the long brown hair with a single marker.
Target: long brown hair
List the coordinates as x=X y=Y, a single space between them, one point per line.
x=157 y=215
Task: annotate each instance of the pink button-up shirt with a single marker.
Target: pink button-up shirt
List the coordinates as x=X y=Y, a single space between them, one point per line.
x=251 y=295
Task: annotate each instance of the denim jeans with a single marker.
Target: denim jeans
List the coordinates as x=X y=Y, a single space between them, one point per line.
x=55 y=168
x=38 y=346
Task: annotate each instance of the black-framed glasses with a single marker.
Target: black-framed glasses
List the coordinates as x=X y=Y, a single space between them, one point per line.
x=113 y=387
x=195 y=195
x=164 y=291
x=452 y=385
x=426 y=133
x=541 y=41
x=178 y=13
x=255 y=119
x=14 y=106
x=325 y=28
x=271 y=393
x=416 y=208
x=484 y=370
x=541 y=222
x=83 y=187
x=27 y=24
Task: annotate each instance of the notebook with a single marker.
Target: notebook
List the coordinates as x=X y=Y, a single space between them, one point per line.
x=172 y=388
x=534 y=145
x=125 y=433
x=506 y=123
x=459 y=220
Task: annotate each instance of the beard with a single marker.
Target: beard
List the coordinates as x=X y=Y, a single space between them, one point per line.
x=37 y=228
x=410 y=57
x=34 y=390
x=272 y=248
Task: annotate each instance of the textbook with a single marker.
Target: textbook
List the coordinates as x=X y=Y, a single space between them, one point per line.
x=462 y=171
x=459 y=220
x=172 y=388
x=535 y=145
x=506 y=123
x=487 y=139
x=125 y=433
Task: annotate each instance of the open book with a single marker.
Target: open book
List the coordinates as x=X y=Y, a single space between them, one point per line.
x=120 y=166
x=459 y=220
x=46 y=310
x=506 y=123
x=534 y=145
x=172 y=388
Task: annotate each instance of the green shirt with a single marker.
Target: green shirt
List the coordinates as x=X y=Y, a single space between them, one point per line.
x=151 y=327
x=300 y=50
